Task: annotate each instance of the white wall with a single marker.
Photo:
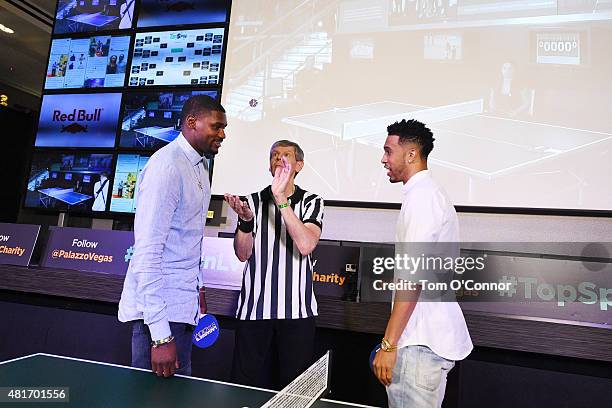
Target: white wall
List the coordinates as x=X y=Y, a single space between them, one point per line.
x=375 y=225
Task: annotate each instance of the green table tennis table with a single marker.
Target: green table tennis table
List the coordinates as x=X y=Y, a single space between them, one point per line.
x=95 y=384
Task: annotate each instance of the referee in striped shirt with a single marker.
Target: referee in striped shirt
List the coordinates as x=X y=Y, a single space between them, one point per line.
x=278 y=228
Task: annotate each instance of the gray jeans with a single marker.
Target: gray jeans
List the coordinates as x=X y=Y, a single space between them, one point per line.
x=419 y=378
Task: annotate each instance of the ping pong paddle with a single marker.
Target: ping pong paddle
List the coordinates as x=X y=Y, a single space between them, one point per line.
x=373 y=356
x=206 y=332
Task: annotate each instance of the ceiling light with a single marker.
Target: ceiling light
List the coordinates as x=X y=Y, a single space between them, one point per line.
x=6 y=29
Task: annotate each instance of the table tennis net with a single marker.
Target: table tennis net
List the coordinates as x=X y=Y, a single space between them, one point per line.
x=306 y=388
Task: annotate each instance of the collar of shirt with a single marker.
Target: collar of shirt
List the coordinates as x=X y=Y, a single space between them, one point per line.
x=192 y=154
x=412 y=181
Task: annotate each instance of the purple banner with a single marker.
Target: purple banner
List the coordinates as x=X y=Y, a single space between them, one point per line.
x=89 y=250
x=17 y=243
x=220 y=266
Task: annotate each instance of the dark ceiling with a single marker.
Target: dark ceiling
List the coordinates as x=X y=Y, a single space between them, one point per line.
x=24 y=53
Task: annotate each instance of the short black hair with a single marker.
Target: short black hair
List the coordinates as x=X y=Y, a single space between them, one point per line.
x=413 y=131
x=199 y=104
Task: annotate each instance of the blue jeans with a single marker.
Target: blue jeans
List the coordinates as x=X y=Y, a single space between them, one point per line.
x=141 y=345
x=419 y=378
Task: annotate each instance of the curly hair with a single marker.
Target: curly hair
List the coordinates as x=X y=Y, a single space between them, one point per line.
x=413 y=131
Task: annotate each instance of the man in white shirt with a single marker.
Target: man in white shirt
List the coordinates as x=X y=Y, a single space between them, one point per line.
x=121 y=64
x=424 y=337
x=100 y=193
x=126 y=11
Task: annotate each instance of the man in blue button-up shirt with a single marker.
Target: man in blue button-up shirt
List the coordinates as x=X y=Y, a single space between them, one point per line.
x=160 y=292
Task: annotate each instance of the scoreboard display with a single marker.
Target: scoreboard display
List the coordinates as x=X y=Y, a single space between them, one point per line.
x=558 y=48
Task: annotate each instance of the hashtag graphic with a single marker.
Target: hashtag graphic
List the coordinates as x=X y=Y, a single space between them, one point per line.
x=511 y=287
x=128 y=254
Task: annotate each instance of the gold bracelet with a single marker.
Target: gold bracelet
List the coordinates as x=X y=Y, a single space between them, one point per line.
x=157 y=343
x=385 y=345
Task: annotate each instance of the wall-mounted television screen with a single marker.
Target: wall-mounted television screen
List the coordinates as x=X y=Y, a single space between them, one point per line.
x=186 y=57
x=153 y=119
x=80 y=120
x=69 y=181
x=127 y=172
x=92 y=62
x=442 y=47
x=558 y=47
x=172 y=12
x=79 y=16
x=421 y=11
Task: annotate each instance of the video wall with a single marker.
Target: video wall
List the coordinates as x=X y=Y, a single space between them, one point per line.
x=118 y=75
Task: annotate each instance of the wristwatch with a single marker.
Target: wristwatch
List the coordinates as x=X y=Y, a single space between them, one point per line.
x=386 y=346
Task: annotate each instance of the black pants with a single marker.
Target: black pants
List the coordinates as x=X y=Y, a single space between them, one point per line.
x=265 y=347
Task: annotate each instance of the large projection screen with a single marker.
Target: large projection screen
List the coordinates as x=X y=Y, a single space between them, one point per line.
x=517 y=94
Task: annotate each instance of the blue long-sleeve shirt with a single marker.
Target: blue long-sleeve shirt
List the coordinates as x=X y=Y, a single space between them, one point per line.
x=172 y=199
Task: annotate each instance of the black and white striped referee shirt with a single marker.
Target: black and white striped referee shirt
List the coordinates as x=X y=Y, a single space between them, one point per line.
x=277 y=279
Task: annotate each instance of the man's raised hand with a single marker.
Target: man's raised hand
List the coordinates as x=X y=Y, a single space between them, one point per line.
x=240 y=207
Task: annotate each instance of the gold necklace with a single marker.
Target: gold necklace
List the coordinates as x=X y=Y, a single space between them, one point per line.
x=196 y=171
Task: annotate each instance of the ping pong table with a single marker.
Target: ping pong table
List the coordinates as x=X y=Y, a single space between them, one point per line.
x=65 y=195
x=489 y=146
x=95 y=384
x=97 y=20
x=146 y=135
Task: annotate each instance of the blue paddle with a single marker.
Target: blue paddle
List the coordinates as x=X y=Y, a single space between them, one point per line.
x=206 y=332
x=373 y=356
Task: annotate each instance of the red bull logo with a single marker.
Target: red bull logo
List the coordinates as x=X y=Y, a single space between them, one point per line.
x=74 y=128
x=79 y=115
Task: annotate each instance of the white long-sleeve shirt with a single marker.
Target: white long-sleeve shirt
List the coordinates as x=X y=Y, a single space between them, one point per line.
x=162 y=281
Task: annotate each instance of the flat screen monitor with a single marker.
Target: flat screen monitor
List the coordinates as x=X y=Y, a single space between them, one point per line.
x=91 y=62
x=171 y=12
x=183 y=57
x=153 y=119
x=78 y=120
x=421 y=11
x=125 y=185
x=83 y=16
x=558 y=47
x=442 y=47
x=69 y=181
